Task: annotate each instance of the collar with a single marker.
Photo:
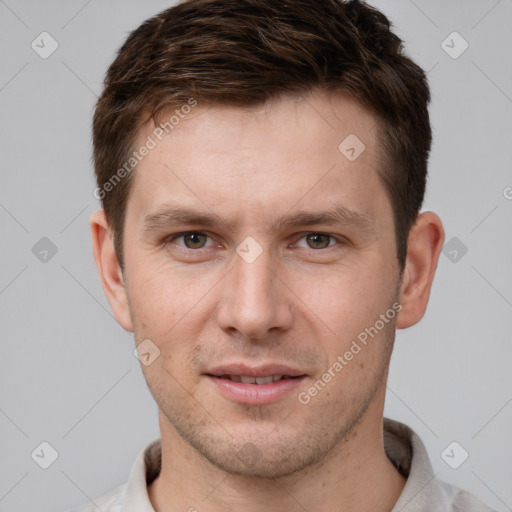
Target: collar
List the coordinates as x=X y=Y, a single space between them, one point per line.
x=403 y=447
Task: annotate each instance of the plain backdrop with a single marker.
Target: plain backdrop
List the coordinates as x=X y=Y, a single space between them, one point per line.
x=68 y=376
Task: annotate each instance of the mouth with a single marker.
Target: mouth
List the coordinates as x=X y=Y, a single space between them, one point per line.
x=255 y=385
x=246 y=379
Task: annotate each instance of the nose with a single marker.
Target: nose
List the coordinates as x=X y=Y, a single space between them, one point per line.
x=254 y=300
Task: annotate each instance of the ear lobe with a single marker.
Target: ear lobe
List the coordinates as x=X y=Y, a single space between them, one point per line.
x=111 y=276
x=424 y=246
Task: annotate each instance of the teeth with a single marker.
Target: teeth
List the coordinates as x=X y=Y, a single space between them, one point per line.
x=255 y=380
x=263 y=380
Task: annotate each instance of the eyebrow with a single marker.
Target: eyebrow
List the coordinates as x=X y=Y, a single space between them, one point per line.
x=338 y=215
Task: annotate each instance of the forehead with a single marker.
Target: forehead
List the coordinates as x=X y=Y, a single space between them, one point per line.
x=319 y=119
x=291 y=150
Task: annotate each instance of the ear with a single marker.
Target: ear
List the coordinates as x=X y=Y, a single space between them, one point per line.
x=109 y=269
x=424 y=246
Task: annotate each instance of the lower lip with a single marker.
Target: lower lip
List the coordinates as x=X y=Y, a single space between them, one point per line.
x=256 y=394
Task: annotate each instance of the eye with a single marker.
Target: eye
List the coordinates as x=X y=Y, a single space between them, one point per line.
x=317 y=241
x=191 y=239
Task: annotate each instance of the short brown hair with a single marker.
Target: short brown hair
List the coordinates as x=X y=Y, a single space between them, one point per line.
x=245 y=52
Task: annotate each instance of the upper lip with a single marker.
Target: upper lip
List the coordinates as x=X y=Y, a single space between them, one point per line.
x=255 y=371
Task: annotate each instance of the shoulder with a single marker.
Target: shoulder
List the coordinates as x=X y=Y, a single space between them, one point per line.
x=423 y=491
x=460 y=500
x=112 y=501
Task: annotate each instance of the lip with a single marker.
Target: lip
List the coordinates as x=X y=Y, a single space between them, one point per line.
x=255 y=394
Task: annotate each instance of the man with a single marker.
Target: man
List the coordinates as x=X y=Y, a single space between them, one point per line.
x=261 y=167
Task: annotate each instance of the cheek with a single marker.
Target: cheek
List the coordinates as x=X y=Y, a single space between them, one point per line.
x=346 y=299
x=159 y=300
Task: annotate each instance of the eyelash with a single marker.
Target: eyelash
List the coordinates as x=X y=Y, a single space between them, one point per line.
x=174 y=237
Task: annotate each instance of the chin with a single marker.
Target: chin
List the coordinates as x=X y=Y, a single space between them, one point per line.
x=250 y=461
x=266 y=455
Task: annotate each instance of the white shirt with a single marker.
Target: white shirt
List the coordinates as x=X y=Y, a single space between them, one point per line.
x=422 y=492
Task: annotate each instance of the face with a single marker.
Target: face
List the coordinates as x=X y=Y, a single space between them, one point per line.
x=256 y=248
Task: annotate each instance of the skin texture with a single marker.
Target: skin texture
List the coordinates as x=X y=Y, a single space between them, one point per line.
x=294 y=305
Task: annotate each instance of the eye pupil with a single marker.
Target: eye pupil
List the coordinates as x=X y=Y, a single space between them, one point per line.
x=318 y=241
x=194 y=240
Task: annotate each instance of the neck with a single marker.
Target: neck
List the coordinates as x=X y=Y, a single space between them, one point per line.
x=355 y=476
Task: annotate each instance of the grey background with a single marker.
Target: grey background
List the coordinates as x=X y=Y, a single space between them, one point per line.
x=67 y=372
